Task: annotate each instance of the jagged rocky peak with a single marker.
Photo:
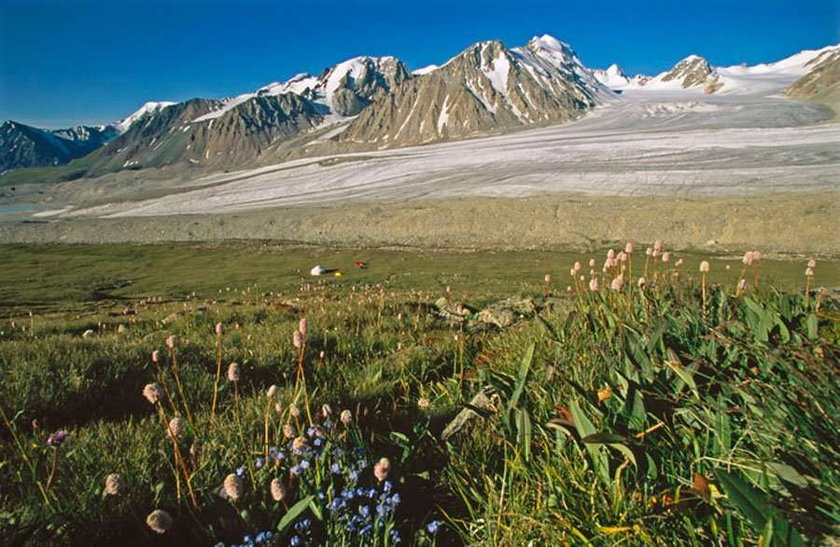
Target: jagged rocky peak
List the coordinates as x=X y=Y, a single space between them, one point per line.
x=691 y=71
x=487 y=87
x=148 y=108
x=351 y=85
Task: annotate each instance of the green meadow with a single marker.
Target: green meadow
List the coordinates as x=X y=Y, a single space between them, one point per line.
x=218 y=393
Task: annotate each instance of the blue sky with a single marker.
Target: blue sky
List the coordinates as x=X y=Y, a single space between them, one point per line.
x=64 y=62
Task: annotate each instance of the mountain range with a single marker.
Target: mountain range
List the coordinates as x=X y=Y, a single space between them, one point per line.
x=368 y=103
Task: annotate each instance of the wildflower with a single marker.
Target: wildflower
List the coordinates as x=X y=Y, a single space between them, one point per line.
x=622 y=257
x=572 y=272
x=297 y=339
x=749 y=258
x=298 y=444
x=611 y=254
x=170 y=341
x=704 y=267
x=812 y=263
x=219 y=329
x=809 y=271
x=288 y=431
x=302 y=328
x=176 y=428
x=278 y=490
x=617 y=283
x=649 y=251
x=294 y=410
x=604 y=394
x=159 y=521
x=346 y=417
x=153 y=393
x=423 y=403
x=578 y=266
x=272 y=391
x=593 y=284
x=591 y=262
x=658 y=245
x=233 y=487
x=679 y=262
x=57 y=438
x=233 y=372
x=155 y=356
x=114 y=484
x=326 y=410
x=666 y=256
x=628 y=248
x=381 y=469
x=642 y=282
x=433 y=527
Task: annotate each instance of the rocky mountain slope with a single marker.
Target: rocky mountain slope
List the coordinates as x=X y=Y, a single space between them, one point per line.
x=25 y=146
x=487 y=87
x=822 y=83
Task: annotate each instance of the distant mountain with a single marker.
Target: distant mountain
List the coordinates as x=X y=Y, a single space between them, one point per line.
x=612 y=77
x=25 y=146
x=487 y=87
x=696 y=74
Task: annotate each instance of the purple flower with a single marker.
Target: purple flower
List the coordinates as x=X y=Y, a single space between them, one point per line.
x=57 y=438
x=433 y=527
x=336 y=469
x=260 y=463
x=240 y=472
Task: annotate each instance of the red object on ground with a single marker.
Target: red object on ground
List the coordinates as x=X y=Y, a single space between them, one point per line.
x=361 y=264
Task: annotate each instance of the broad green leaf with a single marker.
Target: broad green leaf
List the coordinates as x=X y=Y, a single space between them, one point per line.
x=294 y=512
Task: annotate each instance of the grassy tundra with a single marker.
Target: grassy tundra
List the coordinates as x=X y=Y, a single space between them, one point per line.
x=204 y=394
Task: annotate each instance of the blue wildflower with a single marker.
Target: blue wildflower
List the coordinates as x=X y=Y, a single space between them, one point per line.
x=304 y=464
x=366 y=530
x=240 y=472
x=294 y=541
x=336 y=469
x=296 y=470
x=433 y=527
x=260 y=463
x=364 y=511
x=387 y=486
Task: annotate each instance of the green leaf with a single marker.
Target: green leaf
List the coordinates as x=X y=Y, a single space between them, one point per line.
x=754 y=506
x=812 y=326
x=294 y=512
x=788 y=474
x=524 y=368
x=749 y=501
x=603 y=438
x=523 y=433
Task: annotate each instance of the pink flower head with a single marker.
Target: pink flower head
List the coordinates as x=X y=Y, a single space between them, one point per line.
x=611 y=254
x=219 y=329
x=642 y=282
x=622 y=257
x=303 y=328
x=704 y=267
x=617 y=283
x=170 y=341
x=593 y=284
x=297 y=339
x=649 y=251
x=547 y=279
x=748 y=258
x=591 y=262
x=658 y=245
x=666 y=256
x=812 y=263
x=628 y=248
x=578 y=266
x=381 y=469
x=156 y=356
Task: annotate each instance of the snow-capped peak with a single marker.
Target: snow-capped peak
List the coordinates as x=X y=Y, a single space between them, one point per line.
x=360 y=74
x=613 y=77
x=150 y=107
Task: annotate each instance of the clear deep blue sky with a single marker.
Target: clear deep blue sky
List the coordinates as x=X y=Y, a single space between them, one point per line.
x=64 y=62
